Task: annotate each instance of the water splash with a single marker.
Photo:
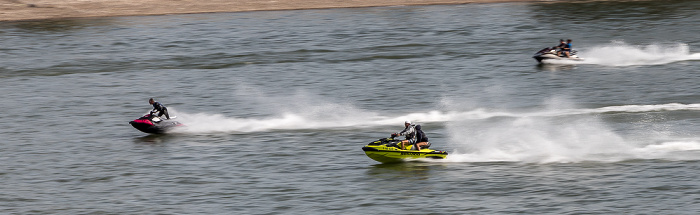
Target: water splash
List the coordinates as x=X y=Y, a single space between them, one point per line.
x=562 y=135
x=552 y=135
x=214 y=123
x=536 y=140
x=670 y=150
x=619 y=53
x=338 y=116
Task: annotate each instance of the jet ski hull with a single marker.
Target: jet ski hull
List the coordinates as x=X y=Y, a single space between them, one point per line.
x=146 y=125
x=540 y=58
x=551 y=54
x=386 y=151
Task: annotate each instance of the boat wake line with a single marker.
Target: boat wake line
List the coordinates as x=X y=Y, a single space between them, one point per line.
x=486 y=135
x=571 y=136
x=563 y=152
x=356 y=118
x=619 y=53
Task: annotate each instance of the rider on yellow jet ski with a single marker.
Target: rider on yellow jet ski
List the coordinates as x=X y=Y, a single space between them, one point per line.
x=414 y=136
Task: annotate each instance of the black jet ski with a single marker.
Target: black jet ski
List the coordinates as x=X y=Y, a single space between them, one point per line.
x=153 y=124
x=387 y=150
x=551 y=54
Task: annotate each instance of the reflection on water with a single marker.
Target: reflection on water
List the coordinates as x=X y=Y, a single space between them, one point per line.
x=155 y=138
x=404 y=180
x=567 y=11
x=58 y=25
x=555 y=67
x=410 y=170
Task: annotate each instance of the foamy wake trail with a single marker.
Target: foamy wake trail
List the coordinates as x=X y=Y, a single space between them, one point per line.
x=535 y=140
x=622 y=108
x=548 y=151
x=212 y=123
x=573 y=136
x=673 y=150
x=618 y=53
x=343 y=117
x=552 y=135
x=326 y=117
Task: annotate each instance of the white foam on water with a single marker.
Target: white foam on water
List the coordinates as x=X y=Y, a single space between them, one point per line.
x=328 y=116
x=621 y=108
x=619 y=53
x=302 y=111
x=556 y=134
x=536 y=140
x=670 y=150
x=335 y=116
x=560 y=136
x=316 y=118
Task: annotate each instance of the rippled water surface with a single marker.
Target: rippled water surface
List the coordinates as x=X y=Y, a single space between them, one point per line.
x=278 y=105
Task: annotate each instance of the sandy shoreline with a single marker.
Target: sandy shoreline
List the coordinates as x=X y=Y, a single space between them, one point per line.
x=13 y=10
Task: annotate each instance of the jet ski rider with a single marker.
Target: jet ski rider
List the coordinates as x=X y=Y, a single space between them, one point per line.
x=567 y=48
x=560 y=47
x=160 y=108
x=414 y=136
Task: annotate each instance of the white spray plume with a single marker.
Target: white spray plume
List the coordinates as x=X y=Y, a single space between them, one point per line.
x=556 y=134
x=619 y=53
x=559 y=135
x=333 y=116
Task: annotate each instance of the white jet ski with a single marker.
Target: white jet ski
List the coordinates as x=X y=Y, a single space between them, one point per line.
x=551 y=54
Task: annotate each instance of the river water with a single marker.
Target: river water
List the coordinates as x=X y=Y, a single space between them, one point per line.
x=279 y=104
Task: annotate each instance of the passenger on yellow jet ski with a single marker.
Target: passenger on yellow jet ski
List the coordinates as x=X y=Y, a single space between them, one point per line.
x=412 y=137
x=421 y=138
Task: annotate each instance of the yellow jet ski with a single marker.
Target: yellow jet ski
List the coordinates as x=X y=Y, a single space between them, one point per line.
x=387 y=150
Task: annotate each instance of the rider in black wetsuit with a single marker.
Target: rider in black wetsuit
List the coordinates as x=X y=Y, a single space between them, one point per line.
x=421 y=139
x=160 y=108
